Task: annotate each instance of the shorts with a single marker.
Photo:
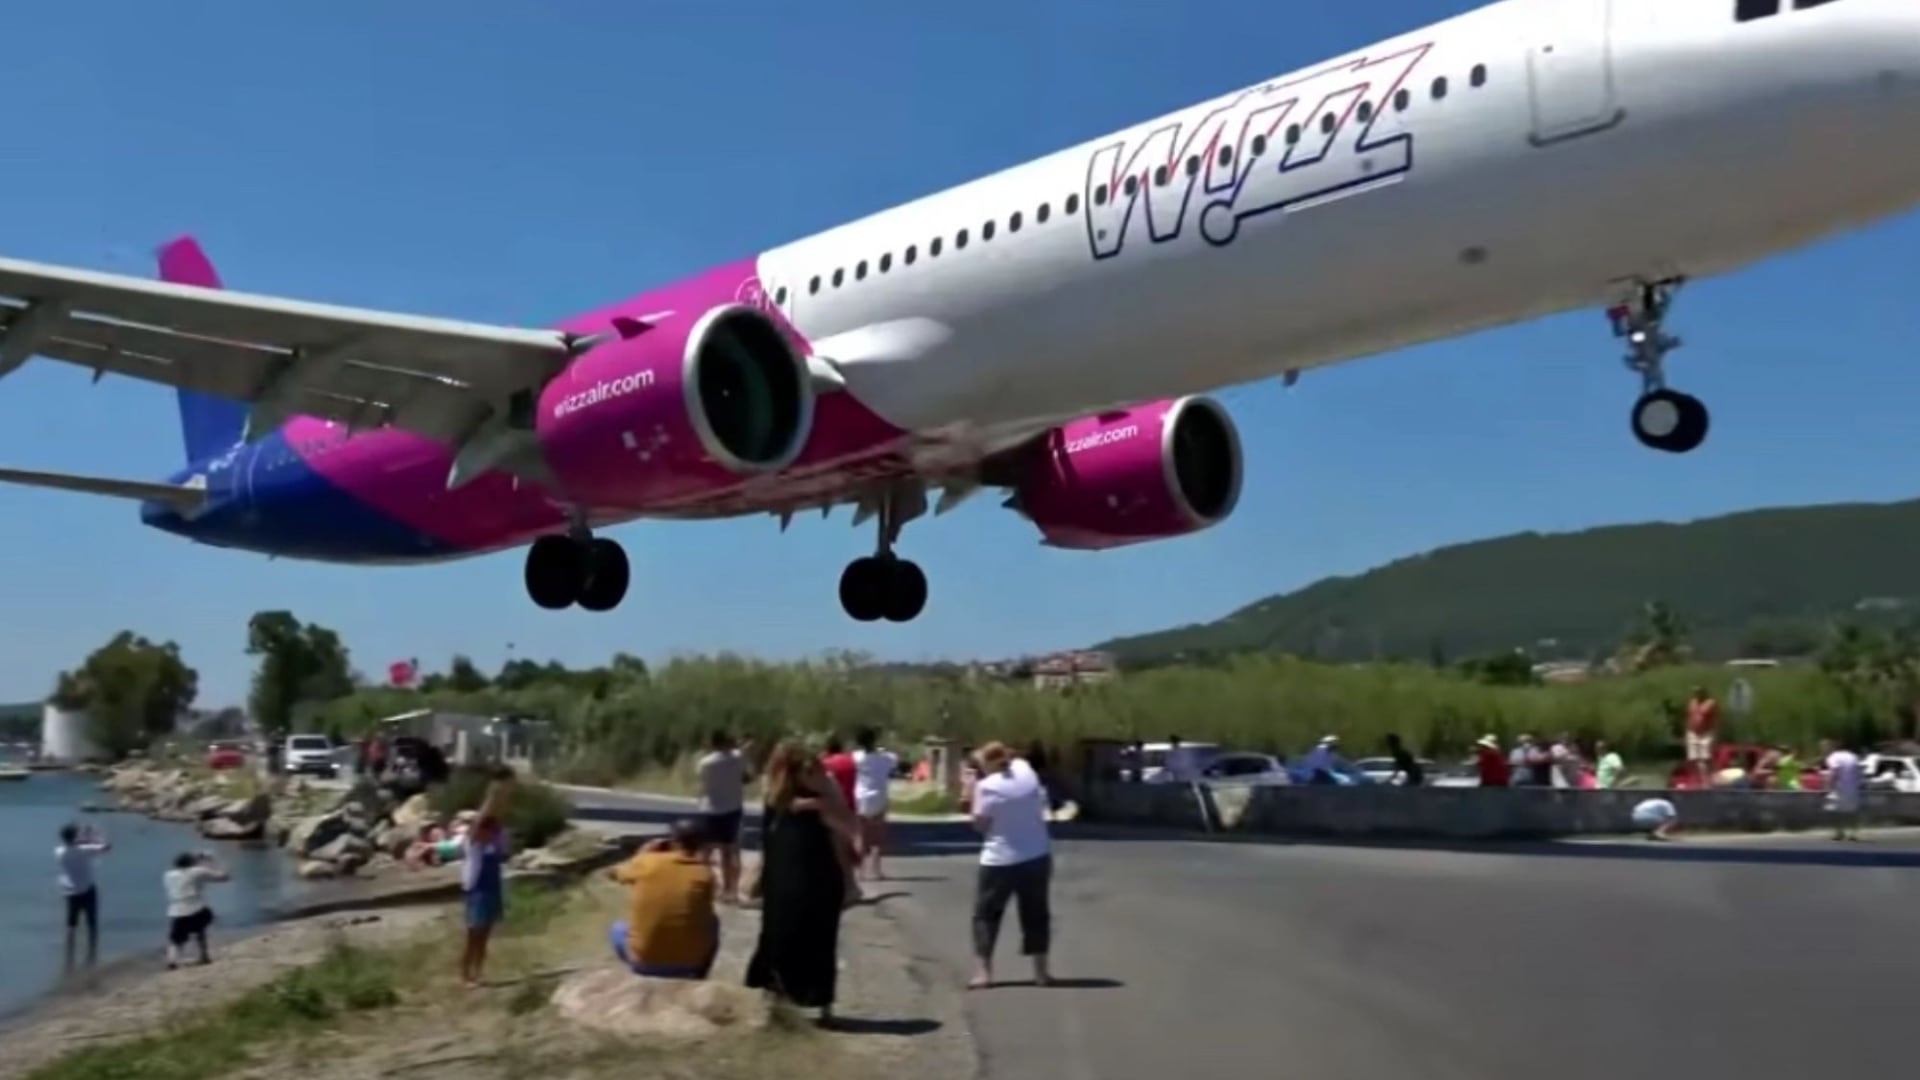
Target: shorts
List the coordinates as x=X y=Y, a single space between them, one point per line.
x=180 y=928
x=1699 y=746
x=617 y=937
x=84 y=905
x=484 y=908
x=723 y=828
x=871 y=806
x=1653 y=813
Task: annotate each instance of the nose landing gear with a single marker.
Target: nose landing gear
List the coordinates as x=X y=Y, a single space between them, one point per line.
x=577 y=568
x=883 y=585
x=1663 y=419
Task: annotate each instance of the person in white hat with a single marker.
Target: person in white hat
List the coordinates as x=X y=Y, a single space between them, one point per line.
x=1491 y=762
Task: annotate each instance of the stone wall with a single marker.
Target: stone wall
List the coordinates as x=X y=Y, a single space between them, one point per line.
x=1459 y=813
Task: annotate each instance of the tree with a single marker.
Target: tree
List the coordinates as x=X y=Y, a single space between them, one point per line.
x=301 y=664
x=1660 y=640
x=1878 y=672
x=1513 y=668
x=461 y=677
x=133 y=691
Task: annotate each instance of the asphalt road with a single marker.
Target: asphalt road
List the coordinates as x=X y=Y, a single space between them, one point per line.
x=1755 y=959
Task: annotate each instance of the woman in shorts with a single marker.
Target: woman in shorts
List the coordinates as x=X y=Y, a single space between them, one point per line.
x=188 y=915
x=873 y=769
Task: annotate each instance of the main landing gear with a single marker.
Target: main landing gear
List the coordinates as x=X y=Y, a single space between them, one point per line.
x=577 y=568
x=1663 y=419
x=883 y=585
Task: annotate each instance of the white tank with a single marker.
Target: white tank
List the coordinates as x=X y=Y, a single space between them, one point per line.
x=63 y=735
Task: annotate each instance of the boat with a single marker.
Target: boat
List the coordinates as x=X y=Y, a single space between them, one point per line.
x=14 y=772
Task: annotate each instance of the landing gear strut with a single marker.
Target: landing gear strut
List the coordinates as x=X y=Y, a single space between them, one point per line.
x=577 y=568
x=1663 y=419
x=883 y=585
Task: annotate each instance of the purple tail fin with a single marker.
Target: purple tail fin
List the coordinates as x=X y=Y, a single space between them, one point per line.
x=208 y=425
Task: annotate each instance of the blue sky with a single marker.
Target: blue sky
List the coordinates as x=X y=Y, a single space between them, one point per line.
x=517 y=162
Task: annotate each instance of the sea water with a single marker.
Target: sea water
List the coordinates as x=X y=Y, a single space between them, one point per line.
x=133 y=906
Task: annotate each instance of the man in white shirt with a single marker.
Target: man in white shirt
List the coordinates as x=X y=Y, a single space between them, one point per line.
x=75 y=855
x=723 y=792
x=873 y=769
x=1016 y=861
x=1844 y=784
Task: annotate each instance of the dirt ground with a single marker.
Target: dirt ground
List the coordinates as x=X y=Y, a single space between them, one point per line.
x=898 y=1016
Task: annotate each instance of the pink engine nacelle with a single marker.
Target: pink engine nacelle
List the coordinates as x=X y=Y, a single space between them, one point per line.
x=1146 y=473
x=684 y=405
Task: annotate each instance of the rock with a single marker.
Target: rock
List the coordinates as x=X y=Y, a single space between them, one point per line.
x=253 y=811
x=394 y=840
x=310 y=834
x=314 y=870
x=207 y=806
x=225 y=828
x=416 y=814
x=618 y=1002
x=344 y=849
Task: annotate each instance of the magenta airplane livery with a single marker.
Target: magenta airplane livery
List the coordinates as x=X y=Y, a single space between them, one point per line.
x=1042 y=331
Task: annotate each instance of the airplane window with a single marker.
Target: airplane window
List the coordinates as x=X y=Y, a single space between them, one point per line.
x=1193 y=164
x=1132 y=185
x=933 y=249
x=1013 y=223
x=838 y=277
x=1800 y=4
x=1073 y=205
x=986 y=230
x=1439 y=88
x=1041 y=215
x=1293 y=134
x=860 y=271
x=1160 y=176
x=780 y=295
x=960 y=240
x=1259 y=145
x=1326 y=124
x=1478 y=76
x=913 y=253
x=886 y=262
x=1754 y=9
x=1402 y=99
x=1226 y=155
x=1100 y=195
x=814 y=285
x=1366 y=111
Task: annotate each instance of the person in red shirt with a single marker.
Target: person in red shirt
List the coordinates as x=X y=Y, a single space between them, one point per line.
x=1492 y=763
x=1703 y=717
x=840 y=766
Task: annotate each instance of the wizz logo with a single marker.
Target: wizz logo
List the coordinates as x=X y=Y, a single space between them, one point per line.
x=1272 y=147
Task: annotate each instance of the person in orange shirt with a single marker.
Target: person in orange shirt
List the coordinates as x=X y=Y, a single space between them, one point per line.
x=671 y=930
x=1703 y=717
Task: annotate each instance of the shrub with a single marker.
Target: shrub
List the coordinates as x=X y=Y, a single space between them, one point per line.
x=535 y=812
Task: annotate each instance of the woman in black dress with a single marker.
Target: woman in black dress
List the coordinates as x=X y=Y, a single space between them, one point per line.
x=803 y=882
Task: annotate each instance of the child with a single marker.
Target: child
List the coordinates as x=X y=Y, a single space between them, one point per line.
x=482 y=877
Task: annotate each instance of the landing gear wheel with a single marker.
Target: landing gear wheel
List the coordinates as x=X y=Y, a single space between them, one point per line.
x=556 y=570
x=1670 y=421
x=863 y=588
x=906 y=591
x=607 y=576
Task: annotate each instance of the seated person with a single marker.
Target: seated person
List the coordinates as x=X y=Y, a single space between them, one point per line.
x=671 y=931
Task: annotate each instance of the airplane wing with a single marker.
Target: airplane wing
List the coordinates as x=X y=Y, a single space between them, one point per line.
x=183 y=498
x=363 y=368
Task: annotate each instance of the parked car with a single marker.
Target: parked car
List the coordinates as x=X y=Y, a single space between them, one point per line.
x=1460 y=774
x=1380 y=770
x=225 y=755
x=309 y=754
x=1892 y=772
x=1153 y=765
x=1245 y=768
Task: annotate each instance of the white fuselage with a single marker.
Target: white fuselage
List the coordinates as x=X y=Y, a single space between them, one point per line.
x=1578 y=146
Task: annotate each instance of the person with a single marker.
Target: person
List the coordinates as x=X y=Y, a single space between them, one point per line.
x=1321 y=765
x=873 y=767
x=671 y=930
x=1179 y=767
x=188 y=914
x=483 y=878
x=1491 y=763
x=1564 y=763
x=1703 y=718
x=1609 y=770
x=1016 y=862
x=1787 y=768
x=1405 y=765
x=839 y=765
x=1519 y=761
x=1844 y=784
x=1659 y=817
x=803 y=882
x=75 y=854
x=723 y=793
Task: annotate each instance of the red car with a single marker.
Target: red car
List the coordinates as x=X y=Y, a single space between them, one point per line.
x=222 y=755
x=1729 y=755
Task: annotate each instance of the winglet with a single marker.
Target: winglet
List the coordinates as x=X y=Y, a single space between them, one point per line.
x=183 y=263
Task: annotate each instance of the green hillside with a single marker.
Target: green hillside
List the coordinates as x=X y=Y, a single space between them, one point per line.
x=1764 y=582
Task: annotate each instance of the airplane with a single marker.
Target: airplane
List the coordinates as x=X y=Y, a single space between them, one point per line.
x=1049 y=330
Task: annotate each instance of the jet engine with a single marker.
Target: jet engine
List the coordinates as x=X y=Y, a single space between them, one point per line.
x=680 y=405
x=1146 y=473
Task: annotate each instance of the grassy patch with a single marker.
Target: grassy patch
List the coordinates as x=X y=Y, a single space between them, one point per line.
x=535 y=812
x=304 y=1001
x=931 y=801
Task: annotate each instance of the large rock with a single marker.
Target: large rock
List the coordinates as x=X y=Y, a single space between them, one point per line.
x=416 y=814
x=315 y=870
x=254 y=810
x=348 y=851
x=226 y=828
x=394 y=840
x=618 y=1002
x=207 y=806
x=310 y=834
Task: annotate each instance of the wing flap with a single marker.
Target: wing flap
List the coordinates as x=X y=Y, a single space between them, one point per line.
x=185 y=499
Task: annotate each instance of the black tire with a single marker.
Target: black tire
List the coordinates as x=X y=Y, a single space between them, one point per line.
x=556 y=570
x=608 y=575
x=1669 y=421
x=906 y=591
x=863 y=589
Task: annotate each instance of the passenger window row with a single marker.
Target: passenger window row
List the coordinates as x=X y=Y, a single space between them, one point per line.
x=1402 y=101
x=1749 y=10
